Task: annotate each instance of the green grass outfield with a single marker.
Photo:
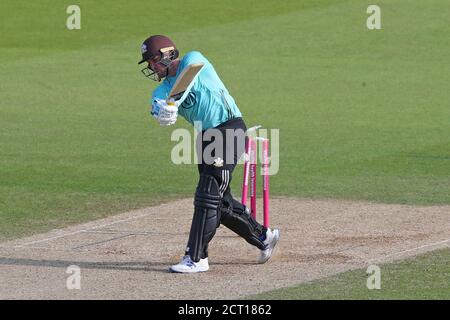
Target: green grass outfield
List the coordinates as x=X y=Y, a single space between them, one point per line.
x=362 y=114
x=424 y=277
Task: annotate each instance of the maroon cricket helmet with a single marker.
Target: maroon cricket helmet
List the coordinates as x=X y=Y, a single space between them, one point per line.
x=158 y=45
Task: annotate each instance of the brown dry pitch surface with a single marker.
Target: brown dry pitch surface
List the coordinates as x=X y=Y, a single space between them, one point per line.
x=127 y=256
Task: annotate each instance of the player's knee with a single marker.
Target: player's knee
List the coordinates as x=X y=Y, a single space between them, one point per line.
x=207 y=194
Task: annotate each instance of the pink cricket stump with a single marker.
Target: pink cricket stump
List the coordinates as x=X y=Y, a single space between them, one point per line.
x=265 y=167
x=246 y=171
x=253 y=174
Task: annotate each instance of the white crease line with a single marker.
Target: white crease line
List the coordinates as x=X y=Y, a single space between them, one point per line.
x=81 y=231
x=409 y=250
x=120 y=221
x=48 y=239
x=39 y=248
x=69 y=250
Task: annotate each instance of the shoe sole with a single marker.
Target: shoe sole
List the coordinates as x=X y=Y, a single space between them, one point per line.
x=175 y=271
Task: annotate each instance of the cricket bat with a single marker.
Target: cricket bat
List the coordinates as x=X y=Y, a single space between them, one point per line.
x=184 y=82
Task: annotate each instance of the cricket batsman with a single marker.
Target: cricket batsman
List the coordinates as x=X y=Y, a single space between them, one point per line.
x=206 y=102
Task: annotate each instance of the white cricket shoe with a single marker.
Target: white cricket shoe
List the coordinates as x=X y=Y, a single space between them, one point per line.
x=188 y=266
x=272 y=237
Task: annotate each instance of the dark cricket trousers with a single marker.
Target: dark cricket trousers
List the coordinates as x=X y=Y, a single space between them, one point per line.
x=231 y=150
x=233 y=146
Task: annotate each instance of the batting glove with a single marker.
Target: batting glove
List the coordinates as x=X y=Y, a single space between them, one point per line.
x=165 y=113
